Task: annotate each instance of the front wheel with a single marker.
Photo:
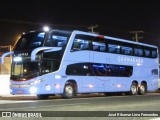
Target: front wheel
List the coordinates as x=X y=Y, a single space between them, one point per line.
x=69 y=91
x=133 y=89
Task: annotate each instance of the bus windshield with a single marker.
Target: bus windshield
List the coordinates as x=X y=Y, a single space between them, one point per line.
x=25 y=70
x=30 y=41
x=48 y=61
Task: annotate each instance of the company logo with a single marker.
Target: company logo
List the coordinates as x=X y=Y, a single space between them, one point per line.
x=21 y=114
x=22 y=55
x=6 y=114
x=130 y=59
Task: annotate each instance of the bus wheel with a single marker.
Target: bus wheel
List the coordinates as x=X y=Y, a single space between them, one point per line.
x=133 y=89
x=69 y=91
x=142 y=89
x=42 y=97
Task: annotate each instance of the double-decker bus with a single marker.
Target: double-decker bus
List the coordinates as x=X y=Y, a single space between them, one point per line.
x=68 y=63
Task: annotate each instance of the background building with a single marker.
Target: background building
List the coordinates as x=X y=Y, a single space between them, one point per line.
x=6 y=67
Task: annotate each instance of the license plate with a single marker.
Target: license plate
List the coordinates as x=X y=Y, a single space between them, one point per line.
x=20 y=92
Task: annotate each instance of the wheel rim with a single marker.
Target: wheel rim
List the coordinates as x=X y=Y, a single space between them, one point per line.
x=134 y=89
x=142 y=89
x=69 y=91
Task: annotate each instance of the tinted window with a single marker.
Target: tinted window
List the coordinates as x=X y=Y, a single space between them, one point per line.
x=31 y=40
x=138 y=51
x=147 y=53
x=127 y=50
x=81 y=42
x=98 y=69
x=112 y=70
x=57 y=39
x=80 y=45
x=74 y=69
x=98 y=46
x=113 y=48
x=48 y=66
x=154 y=54
x=79 y=69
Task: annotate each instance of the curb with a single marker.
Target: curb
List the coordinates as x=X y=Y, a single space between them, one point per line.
x=16 y=96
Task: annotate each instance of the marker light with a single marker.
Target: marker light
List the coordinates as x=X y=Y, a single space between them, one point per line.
x=46 y=28
x=57 y=86
x=17 y=59
x=139 y=64
x=90 y=85
x=57 y=76
x=118 y=85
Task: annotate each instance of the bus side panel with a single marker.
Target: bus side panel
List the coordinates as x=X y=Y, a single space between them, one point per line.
x=46 y=85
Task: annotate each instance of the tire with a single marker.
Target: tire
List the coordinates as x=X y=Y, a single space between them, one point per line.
x=69 y=91
x=42 y=97
x=142 y=89
x=134 y=89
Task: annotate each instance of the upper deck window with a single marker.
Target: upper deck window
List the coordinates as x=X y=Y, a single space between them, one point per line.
x=127 y=50
x=113 y=48
x=31 y=40
x=81 y=42
x=56 y=41
x=105 y=45
x=57 y=38
x=138 y=51
x=154 y=54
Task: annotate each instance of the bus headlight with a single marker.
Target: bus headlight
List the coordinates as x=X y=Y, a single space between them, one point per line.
x=10 y=90
x=33 y=90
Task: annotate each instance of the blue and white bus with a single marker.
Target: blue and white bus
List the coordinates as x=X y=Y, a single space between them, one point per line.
x=68 y=63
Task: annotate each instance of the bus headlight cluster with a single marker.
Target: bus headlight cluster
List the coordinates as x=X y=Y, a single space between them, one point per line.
x=17 y=59
x=33 y=90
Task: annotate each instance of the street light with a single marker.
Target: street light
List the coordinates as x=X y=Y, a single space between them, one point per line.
x=46 y=28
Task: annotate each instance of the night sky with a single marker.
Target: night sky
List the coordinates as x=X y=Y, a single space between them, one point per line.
x=114 y=17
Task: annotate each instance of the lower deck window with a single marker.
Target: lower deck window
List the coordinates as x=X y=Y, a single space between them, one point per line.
x=98 y=69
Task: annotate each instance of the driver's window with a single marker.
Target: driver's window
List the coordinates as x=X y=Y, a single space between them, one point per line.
x=51 y=42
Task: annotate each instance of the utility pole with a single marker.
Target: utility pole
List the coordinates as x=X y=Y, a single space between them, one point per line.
x=92 y=28
x=136 y=35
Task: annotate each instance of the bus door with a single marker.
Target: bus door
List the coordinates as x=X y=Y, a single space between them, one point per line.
x=98 y=72
x=100 y=67
x=80 y=63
